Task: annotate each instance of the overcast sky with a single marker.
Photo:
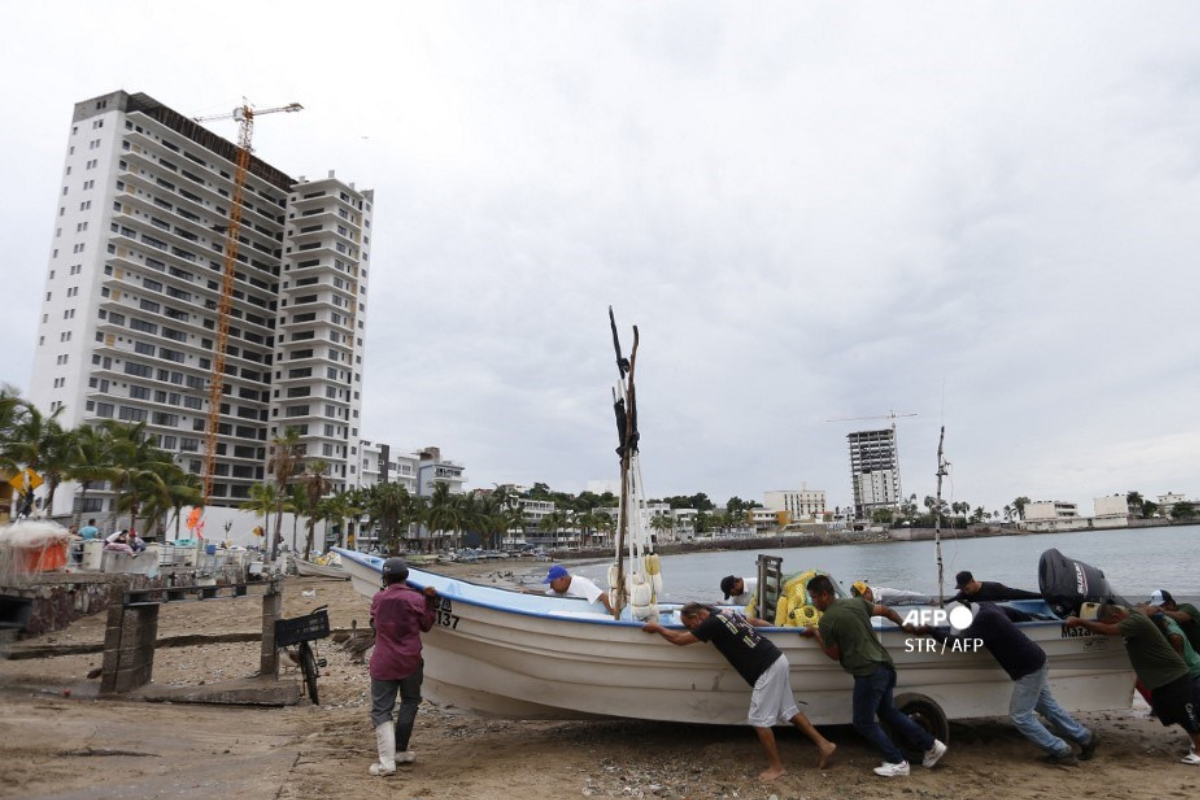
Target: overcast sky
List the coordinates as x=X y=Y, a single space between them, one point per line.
x=984 y=214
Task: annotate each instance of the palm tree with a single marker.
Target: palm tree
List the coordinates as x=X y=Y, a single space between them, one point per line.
x=137 y=467
x=316 y=485
x=35 y=441
x=445 y=511
x=283 y=462
x=390 y=507
x=1135 y=501
x=264 y=498
x=297 y=505
x=554 y=522
x=91 y=462
x=1019 y=506
x=179 y=489
x=662 y=523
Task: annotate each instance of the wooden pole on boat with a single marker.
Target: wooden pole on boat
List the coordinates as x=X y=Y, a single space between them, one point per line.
x=626 y=455
x=937 y=530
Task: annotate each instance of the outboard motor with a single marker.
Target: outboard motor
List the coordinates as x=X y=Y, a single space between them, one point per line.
x=1067 y=584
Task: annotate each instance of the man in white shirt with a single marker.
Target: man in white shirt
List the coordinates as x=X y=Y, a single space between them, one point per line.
x=564 y=584
x=739 y=591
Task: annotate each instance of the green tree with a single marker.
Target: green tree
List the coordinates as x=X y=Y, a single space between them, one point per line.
x=284 y=460
x=1184 y=509
x=1135 y=501
x=1019 y=506
x=445 y=514
x=1149 y=508
x=316 y=485
x=662 y=523
x=264 y=499
x=92 y=462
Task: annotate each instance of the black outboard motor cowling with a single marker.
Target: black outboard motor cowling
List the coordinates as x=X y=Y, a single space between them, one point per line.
x=1067 y=584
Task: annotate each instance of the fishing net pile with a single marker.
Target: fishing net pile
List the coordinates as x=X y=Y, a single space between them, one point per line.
x=28 y=548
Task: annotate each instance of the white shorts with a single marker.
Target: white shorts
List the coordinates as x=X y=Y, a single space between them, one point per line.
x=772 y=702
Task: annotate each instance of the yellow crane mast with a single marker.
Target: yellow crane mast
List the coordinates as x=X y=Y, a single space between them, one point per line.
x=244 y=115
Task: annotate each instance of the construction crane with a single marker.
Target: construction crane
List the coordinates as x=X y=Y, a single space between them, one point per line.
x=892 y=415
x=244 y=115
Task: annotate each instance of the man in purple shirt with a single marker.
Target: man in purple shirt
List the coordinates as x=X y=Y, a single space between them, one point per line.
x=398 y=614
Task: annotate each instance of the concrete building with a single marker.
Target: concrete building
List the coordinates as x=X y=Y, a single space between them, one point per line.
x=874 y=471
x=1112 y=511
x=1049 y=515
x=803 y=505
x=130 y=310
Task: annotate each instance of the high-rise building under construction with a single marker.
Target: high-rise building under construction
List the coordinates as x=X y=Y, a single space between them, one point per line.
x=133 y=287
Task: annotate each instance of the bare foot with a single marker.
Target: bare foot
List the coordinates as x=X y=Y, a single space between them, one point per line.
x=825 y=754
x=772 y=774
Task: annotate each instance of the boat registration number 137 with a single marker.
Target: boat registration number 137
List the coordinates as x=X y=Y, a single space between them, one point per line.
x=443 y=614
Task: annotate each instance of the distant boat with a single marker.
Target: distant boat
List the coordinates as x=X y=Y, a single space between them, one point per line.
x=310 y=569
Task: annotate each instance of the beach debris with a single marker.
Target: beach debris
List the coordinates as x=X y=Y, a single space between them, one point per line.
x=309 y=593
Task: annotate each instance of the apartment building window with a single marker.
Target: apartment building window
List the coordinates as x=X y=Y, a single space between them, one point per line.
x=131 y=414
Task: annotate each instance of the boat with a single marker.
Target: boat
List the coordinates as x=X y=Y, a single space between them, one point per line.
x=311 y=569
x=502 y=653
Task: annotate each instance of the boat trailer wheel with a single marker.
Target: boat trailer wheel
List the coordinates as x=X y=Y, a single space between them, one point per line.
x=927 y=714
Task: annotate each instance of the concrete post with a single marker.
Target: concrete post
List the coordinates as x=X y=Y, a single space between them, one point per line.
x=272 y=606
x=129 y=641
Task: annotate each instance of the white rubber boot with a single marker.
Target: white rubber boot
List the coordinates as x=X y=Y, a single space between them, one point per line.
x=385 y=741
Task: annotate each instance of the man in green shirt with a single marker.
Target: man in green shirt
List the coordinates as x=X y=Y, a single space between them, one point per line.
x=1185 y=614
x=846 y=636
x=1158 y=667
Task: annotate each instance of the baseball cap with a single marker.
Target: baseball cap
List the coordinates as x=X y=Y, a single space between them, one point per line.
x=555 y=573
x=727 y=585
x=858 y=588
x=962 y=579
x=1161 y=596
x=395 y=566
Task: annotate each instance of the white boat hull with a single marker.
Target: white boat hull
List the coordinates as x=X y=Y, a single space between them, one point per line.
x=308 y=569
x=500 y=653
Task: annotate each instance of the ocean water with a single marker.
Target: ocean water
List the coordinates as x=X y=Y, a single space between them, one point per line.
x=1135 y=562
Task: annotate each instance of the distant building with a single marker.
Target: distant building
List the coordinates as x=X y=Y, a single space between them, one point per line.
x=129 y=317
x=803 y=505
x=874 y=471
x=1111 y=512
x=1048 y=515
x=1167 y=501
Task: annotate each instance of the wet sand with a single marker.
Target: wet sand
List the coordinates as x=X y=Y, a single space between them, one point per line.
x=77 y=746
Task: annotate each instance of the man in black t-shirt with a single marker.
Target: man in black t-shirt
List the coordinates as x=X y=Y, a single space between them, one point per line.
x=973 y=591
x=761 y=664
x=1025 y=662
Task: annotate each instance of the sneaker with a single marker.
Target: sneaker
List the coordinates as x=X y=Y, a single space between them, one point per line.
x=381 y=770
x=1191 y=759
x=934 y=754
x=1053 y=760
x=406 y=757
x=889 y=770
x=1086 y=751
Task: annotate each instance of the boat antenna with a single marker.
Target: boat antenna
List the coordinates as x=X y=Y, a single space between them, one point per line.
x=937 y=530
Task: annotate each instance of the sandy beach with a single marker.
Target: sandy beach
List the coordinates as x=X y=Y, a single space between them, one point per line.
x=61 y=741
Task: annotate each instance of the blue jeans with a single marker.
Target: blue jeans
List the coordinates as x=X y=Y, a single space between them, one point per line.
x=873 y=697
x=1031 y=696
x=383 y=701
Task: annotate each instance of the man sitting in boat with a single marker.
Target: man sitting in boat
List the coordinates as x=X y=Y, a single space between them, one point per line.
x=1163 y=671
x=1025 y=663
x=975 y=591
x=761 y=664
x=740 y=590
x=885 y=596
x=564 y=584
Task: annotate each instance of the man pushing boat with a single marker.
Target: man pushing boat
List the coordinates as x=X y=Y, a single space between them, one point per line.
x=762 y=665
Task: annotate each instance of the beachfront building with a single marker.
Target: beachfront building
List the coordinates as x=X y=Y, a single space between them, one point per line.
x=1049 y=515
x=874 y=471
x=803 y=505
x=1166 y=502
x=129 y=317
x=1111 y=512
